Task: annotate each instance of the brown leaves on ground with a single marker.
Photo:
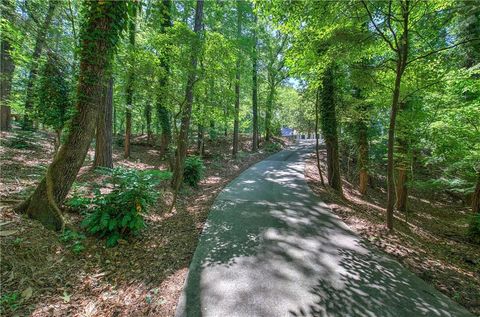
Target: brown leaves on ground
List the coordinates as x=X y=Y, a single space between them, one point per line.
x=430 y=239
x=144 y=276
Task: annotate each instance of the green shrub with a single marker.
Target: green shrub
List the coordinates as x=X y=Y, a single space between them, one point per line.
x=474 y=228
x=272 y=147
x=193 y=171
x=120 y=212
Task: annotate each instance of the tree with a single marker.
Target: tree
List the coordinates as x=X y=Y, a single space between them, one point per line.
x=103 y=140
x=275 y=74
x=7 y=65
x=104 y=22
x=237 y=83
x=329 y=129
x=130 y=83
x=186 y=111
x=317 y=136
x=37 y=52
x=255 y=88
x=163 y=114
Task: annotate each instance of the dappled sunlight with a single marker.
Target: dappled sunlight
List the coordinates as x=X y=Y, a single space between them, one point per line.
x=267 y=237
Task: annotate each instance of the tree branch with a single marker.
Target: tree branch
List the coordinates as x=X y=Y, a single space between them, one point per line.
x=385 y=38
x=441 y=50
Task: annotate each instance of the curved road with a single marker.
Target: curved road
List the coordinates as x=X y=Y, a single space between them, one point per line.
x=270 y=248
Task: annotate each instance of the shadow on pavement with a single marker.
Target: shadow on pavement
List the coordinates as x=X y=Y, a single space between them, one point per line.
x=271 y=248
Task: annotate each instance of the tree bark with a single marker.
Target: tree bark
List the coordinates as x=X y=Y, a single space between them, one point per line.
x=182 y=143
x=163 y=114
x=129 y=88
x=104 y=18
x=236 y=122
x=329 y=129
x=269 y=110
x=148 y=119
x=200 y=140
x=7 y=67
x=255 y=88
x=362 y=156
x=103 y=143
x=37 y=52
x=317 y=136
x=402 y=56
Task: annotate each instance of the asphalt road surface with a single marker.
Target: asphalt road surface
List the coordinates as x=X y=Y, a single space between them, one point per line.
x=270 y=248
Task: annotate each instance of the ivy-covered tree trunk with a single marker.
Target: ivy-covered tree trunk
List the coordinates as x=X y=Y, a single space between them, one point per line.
x=255 y=89
x=7 y=67
x=317 y=136
x=163 y=113
x=103 y=142
x=37 y=52
x=129 y=87
x=182 y=142
x=104 y=21
x=329 y=129
x=236 y=112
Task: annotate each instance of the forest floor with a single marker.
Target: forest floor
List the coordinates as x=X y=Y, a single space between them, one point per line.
x=45 y=273
x=430 y=240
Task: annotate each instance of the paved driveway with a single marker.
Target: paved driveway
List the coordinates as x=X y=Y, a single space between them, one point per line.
x=270 y=248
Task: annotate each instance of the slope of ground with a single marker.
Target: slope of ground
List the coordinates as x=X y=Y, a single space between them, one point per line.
x=43 y=276
x=430 y=240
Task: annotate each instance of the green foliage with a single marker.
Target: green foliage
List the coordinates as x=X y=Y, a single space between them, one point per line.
x=193 y=171
x=73 y=240
x=54 y=107
x=119 y=212
x=474 y=228
x=10 y=301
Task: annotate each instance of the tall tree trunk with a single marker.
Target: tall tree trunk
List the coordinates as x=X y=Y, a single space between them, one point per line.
x=148 y=119
x=200 y=140
x=129 y=87
x=317 y=136
x=104 y=21
x=163 y=114
x=402 y=163
x=329 y=129
x=103 y=142
x=129 y=90
x=7 y=67
x=255 y=88
x=362 y=134
x=401 y=64
x=37 y=52
x=236 y=122
x=182 y=143
x=269 y=110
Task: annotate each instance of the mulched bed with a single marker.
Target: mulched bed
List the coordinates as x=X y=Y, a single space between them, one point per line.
x=430 y=240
